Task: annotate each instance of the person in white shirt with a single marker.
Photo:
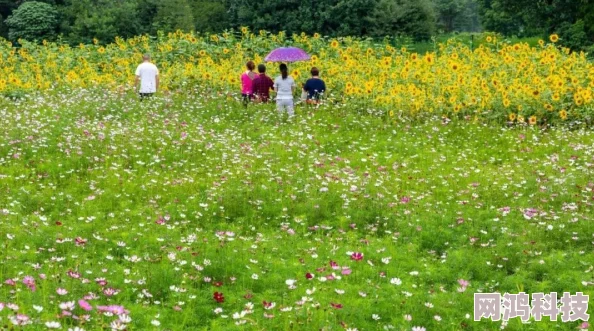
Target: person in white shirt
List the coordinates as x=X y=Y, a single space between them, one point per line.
x=147 y=75
x=284 y=85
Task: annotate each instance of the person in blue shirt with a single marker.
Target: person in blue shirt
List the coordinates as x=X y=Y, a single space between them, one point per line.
x=314 y=86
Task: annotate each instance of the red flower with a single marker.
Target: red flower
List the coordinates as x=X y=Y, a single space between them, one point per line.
x=357 y=256
x=218 y=297
x=309 y=275
x=336 y=305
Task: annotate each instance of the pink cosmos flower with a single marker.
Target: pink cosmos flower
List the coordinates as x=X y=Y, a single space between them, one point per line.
x=29 y=282
x=346 y=271
x=357 y=256
x=114 y=309
x=110 y=292
x=84 y=305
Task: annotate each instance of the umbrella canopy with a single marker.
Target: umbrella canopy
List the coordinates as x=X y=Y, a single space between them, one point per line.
x=287 y=54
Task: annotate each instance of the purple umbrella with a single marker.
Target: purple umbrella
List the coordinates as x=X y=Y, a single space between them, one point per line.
x=287 y=54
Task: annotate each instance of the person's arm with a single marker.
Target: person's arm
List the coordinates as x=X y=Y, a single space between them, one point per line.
x=157 y=82
x=293 y=86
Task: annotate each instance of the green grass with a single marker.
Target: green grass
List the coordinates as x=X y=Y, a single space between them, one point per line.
x=148 y=185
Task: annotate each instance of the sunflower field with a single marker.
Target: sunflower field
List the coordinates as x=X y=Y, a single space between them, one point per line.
x=497 y=80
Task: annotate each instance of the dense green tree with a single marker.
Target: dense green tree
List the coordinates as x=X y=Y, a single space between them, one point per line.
x=174 y=15
x=84 y=20
x=572 y=19
x=457 y=15
x=414 y=18
x=211 y=16
x=352 y=17
x=33 y=21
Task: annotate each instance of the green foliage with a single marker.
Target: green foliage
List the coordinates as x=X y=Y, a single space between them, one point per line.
x=410 y=17
x=457 y=15
x=573 y=20
x=573 y=35
x=102 y=19
x=174 y=15
x=211 y=16
x=32 y=21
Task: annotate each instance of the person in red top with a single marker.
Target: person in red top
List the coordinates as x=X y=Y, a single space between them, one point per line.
x=262 y=85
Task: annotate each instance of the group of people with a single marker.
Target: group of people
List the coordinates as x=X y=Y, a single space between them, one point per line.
x=254 y=87
x=257 y=87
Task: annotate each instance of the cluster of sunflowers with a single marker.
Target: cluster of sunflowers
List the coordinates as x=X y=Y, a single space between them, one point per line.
x=497 y=80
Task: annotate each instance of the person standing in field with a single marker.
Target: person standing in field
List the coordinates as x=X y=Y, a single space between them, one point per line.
x=147 y=75
x=314 y=87
x=246 y=83
x=262 y=84
x=284 y=85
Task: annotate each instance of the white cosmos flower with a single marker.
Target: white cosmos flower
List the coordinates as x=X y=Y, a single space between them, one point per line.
x=53 y=325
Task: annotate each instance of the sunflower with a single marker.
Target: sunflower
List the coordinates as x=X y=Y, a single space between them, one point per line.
x=334 y=44
x=506 y=102
x=226 y=51
x=554 y=38
x=429 y=58
x=512 y=117
x=563 y=114
x=556 y=97
x=202 y=52
x=316 y=35
x=532 y=120
x=489 y=39
x=244 y=30
x=548 y=107
x=391 y=113
x=101 y=50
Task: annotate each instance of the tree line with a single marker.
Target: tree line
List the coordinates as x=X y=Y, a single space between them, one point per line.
x=81 y=21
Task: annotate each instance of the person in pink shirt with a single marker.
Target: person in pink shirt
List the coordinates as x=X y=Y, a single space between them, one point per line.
x=246 y=82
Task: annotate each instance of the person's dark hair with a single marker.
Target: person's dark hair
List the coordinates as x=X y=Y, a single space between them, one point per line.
x=261 y=68
x=284 y=70
x=315 y=71
x=250 y=65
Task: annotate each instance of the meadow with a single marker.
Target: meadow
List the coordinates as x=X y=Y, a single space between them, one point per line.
x=189 y=212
